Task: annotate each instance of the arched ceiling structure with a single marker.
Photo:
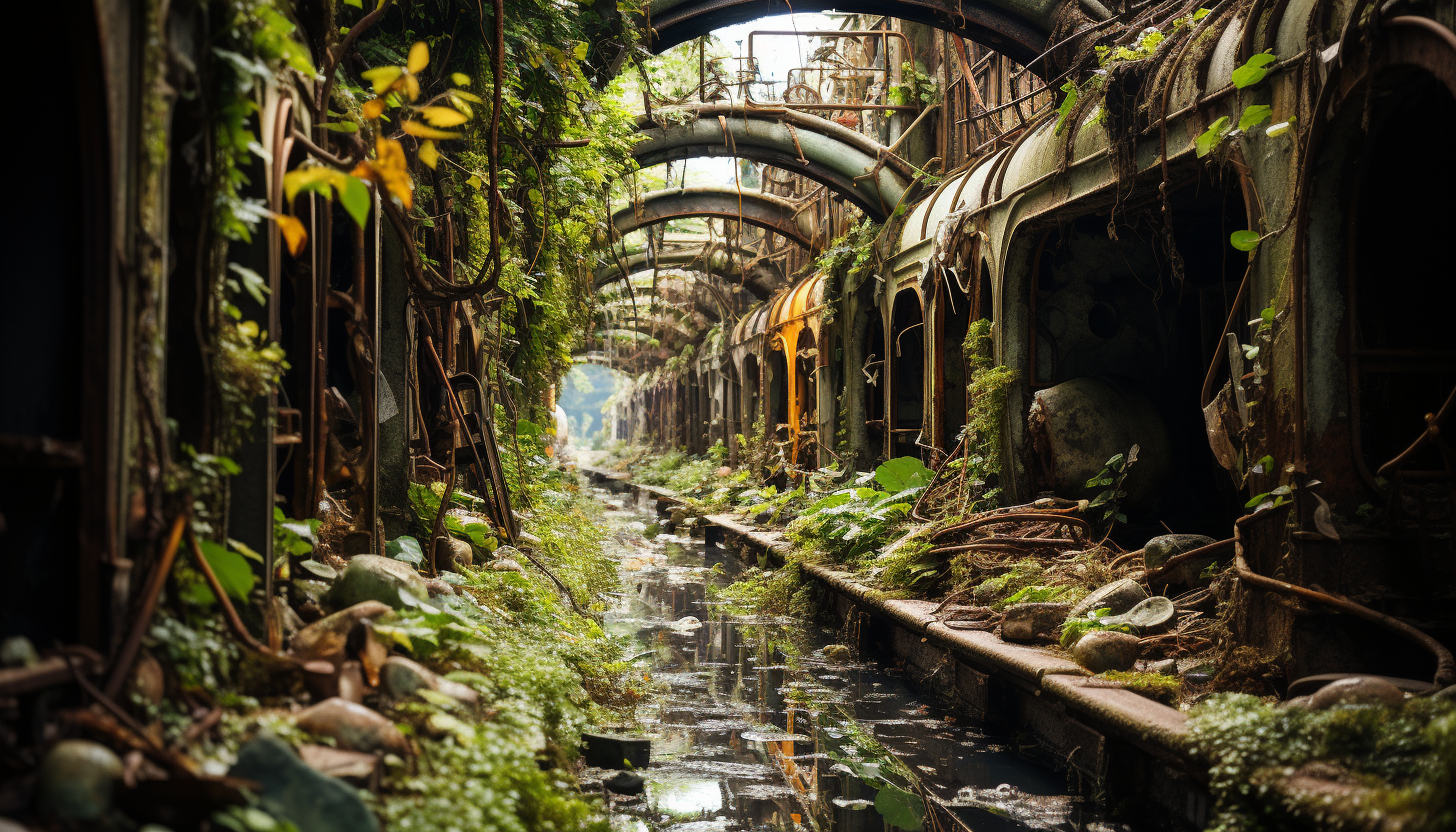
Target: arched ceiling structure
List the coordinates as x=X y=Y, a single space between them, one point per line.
x=765 y=211
x=1020 y=29
x=849 y=163
x=761 y=278
x=703 y=291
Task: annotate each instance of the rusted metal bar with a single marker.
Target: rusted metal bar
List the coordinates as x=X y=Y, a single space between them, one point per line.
x=234 y=622
x=155 y=581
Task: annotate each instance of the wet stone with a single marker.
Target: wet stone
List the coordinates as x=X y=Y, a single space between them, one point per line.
x=401 y=678
x=1359 y=690
x=375 y=578
x=1118 y=596
x=1102 y=650
x=292 y=789
x=453 y=553
x=353 y=726
x=76 y=780
x=625 y=782
x=327 y=636
x=1033 y=622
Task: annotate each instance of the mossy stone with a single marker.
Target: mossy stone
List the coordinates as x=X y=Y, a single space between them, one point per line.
x=76 y=779
x=375 y=578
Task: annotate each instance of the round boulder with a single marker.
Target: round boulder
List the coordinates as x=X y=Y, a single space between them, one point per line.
x=1103 y=650
x=375 y=578
x=1358 y=690
x=1118 y=596
x=76 y=779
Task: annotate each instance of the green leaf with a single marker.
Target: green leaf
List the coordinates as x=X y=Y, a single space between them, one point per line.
x=405 y=548
x=232 y=570
x=900 y=809
x=1256 y=500
x=1253 y=70
x=1254 y=115
x=342 y=126
x=355 y=197
x=1244 y=240
x=245 y=550
x=904 y=472
x=358 y=4
x=253 y=282
x=1070 y=88
x=1211 y=137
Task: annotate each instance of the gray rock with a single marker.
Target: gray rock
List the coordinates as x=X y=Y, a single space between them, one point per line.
x=375 y=578
x=1119 y=596
x=1033 y=622
x=401 y=678
x=1158 y=550
x=353 y=766
x=327 y=636
x=353 y=726
x=148 y=680
x=76 y=779
x=1102 y=650
x=292 y=789
x=17 y=651
x=452 y=553
x=438 y=587
x=625 y=782
x=1359 y=690
x=1165 y=667
x=506 y=565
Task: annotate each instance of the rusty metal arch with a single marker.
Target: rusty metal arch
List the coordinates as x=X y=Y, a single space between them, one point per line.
x=1020 y=29
x=761 y=278
x=703 y=290
x=771 y=213
x=680 y=324
x=850 y=164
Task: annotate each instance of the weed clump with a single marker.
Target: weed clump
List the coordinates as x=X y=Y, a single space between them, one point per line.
x=1351 y=766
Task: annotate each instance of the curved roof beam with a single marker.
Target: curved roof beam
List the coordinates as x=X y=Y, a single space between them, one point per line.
x=1020 y=29
x=678 y=325
x=765 y=211
x=622 y=309
x=850 y=164
x=761 y=279
x=683 y=291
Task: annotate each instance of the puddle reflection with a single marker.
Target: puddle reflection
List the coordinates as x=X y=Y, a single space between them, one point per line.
x=754 y=728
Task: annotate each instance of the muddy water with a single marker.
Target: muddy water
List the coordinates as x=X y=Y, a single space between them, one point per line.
x=756 y=725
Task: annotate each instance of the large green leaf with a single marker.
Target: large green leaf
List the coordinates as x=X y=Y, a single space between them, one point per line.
x=231 y=568
x=902 y=472
x=900 y=809
x=1253 y=70
x=406 y=549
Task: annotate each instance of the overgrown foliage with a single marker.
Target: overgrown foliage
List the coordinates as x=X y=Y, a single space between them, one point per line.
x=1385 y=765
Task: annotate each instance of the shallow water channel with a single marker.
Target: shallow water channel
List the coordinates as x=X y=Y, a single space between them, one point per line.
x=756 y=725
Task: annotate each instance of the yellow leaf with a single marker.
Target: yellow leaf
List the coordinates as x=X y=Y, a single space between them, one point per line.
x=314 y=179
x=473 y=182
x=419 y=57
x=382 y=77
x=412 y=86
x=460 y=79
x=388 y=171
x=374 y=108
x=414 y=128
x=293 y=233
x=428 y=154
x=471 y=97
x=579 y=52
x=443 y=116
x=461 y=106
